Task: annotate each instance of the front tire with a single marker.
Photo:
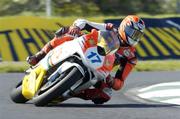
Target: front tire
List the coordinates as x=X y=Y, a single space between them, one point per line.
x=16 y=94
x=42 y=98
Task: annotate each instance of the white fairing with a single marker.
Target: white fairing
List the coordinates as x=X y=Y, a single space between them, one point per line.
x=90 y=56
x=60 y=53
x=98 y=66
x=94 y=60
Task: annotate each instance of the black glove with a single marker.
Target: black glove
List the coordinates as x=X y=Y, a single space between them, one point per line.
x=33 y=60
x=61 y=31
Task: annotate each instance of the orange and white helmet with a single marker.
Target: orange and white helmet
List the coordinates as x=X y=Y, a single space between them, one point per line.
x=131 y=29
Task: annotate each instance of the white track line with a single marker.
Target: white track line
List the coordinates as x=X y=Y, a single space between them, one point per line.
x=161 y=93
x=155 y=93
x=161 y=84
x=172 y=101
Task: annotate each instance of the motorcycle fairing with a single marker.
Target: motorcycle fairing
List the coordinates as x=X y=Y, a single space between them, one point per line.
x=32 y=82
x=100 y=65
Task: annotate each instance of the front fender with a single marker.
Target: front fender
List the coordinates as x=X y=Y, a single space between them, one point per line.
x=32 y=82
x=29 y=85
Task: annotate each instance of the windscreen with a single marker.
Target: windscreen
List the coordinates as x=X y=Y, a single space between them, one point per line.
x=109 y=41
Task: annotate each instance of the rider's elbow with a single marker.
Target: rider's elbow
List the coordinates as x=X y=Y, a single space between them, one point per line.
x=118 y=84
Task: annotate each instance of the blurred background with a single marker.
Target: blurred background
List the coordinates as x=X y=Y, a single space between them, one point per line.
x=88 y=7
x=27 y=25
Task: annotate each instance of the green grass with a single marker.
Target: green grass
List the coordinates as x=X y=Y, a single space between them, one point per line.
x=155 y=65
x=13 y=66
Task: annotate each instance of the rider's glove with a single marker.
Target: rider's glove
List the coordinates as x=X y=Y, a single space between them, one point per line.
x=61 y=31
x=74 y=30
x=33 y=60
x=109 y=26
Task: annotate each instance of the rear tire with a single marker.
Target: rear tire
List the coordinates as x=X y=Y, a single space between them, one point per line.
x=42 y=98
x=16 y=94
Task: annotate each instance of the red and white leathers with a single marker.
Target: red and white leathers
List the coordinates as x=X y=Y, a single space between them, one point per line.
x=126 y=59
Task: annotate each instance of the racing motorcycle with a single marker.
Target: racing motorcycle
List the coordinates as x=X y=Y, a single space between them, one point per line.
x=68 y=69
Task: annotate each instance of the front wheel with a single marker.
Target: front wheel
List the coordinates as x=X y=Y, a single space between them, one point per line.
x=16 y=94
x=52 y=91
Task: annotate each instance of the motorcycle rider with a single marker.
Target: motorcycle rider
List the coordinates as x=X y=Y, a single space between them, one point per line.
x=129 y=33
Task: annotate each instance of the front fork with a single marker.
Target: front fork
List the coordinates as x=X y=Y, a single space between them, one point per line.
x=84 y=83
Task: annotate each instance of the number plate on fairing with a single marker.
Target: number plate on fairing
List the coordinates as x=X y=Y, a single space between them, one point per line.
x=93 y=58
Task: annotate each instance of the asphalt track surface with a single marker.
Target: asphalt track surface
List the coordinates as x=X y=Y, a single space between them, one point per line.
x=121 y=106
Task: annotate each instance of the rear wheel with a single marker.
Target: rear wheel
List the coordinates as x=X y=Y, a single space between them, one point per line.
x=16 y=94
x=52 y=90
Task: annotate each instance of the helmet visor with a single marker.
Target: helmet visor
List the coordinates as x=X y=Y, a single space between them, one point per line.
x=133 y=33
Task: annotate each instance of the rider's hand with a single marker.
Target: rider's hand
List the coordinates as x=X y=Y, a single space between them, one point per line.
x=74 y=30
x=32 y=60
x=61 y=31
x=109 y=26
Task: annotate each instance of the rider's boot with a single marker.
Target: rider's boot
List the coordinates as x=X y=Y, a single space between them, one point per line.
x=98 y=95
